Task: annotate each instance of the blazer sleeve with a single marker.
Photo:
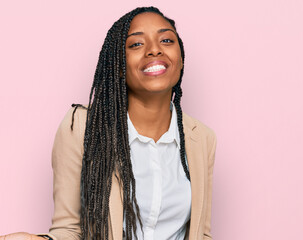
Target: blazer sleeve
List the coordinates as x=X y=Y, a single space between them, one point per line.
x=67 y=155
x=211 y=160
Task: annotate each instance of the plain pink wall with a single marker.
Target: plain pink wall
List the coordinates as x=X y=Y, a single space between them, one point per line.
x=243 y=78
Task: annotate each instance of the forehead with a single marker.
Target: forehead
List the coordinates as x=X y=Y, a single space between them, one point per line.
x=148 y=20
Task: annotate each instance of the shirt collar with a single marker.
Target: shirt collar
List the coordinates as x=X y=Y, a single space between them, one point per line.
x=170 y=136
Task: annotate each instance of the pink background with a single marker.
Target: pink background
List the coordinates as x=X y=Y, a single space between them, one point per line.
x=243 y=78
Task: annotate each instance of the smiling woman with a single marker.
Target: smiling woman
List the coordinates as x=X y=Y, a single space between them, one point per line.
x=152 y=50
x=131 y=164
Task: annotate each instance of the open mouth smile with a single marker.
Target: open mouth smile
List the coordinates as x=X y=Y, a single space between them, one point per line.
x=155 y=68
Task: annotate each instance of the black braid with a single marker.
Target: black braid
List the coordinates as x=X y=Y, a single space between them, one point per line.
x=106 y=145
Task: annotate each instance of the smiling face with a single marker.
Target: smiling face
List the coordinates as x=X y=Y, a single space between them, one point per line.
x=153 y=55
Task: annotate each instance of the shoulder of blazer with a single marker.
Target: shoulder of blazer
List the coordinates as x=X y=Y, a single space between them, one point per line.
x=80 y=116
x=76 y=116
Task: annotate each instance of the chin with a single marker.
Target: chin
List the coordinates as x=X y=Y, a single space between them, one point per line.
x=159 y=85
x=159 y=90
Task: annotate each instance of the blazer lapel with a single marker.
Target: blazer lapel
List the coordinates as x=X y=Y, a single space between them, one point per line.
x=196 y=163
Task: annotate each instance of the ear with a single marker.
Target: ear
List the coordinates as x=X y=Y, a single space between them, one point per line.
x=181 y=63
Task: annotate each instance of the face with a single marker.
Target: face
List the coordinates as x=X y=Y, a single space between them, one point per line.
x=153 y=55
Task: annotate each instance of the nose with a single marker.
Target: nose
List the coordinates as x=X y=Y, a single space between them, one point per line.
x=153 y=49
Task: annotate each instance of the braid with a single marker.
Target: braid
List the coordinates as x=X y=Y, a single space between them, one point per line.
x=177 y=91
x=177 y=98
x=106 y=144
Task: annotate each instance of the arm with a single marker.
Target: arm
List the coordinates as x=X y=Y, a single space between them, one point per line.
x=211 y=159
x=67 y=164
x=21 y=236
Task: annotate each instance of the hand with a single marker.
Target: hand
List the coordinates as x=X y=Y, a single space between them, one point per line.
x=21 y=236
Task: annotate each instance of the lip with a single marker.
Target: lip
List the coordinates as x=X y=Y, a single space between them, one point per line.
x=155 y=73
x=155 y=63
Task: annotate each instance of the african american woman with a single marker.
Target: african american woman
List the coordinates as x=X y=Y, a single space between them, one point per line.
x=131 y=164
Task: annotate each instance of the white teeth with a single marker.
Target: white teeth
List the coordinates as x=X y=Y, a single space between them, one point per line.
x=154 y=68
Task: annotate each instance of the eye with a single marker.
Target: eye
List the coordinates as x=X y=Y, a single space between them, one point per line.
x=135 y=45
x=167 y=41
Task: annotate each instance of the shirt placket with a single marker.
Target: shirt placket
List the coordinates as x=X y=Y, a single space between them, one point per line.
x=156 y=193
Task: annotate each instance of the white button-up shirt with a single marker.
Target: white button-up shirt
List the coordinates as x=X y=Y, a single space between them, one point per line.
x=163 y=192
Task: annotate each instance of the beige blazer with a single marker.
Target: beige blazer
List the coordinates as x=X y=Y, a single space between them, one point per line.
x=200 y=147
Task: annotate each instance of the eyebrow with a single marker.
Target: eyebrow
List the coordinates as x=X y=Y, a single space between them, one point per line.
x=159 y=31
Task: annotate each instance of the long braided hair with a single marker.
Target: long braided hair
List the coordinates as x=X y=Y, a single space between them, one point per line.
x=106 y=145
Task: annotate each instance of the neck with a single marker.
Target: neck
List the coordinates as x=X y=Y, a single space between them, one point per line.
x=150 y=116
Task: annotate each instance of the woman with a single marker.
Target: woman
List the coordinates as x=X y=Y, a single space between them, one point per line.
x=131 y=164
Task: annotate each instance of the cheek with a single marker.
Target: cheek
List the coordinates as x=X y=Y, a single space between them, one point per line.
x=131 y=64
x=128 y=61
x=128 y=70
x=131 y=71
x=178 y=65
x=175 y=56
x=177 y=59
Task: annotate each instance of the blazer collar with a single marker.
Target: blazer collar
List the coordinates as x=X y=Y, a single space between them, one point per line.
x=193 y=149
